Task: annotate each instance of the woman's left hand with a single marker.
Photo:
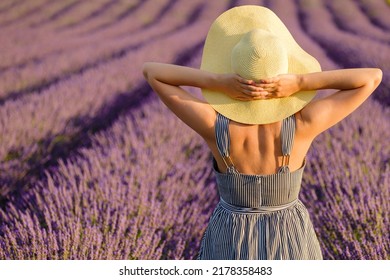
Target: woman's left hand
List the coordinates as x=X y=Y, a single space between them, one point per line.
x=242 y=89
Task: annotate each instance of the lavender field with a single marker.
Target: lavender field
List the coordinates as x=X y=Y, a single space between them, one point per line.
x=94 y=166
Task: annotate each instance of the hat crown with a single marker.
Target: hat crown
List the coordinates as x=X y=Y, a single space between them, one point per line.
x=259 y=55
x=265 y=57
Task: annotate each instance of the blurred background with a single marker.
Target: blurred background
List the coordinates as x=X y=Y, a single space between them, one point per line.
x=93 y=166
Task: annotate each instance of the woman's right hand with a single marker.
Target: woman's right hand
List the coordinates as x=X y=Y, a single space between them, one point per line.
x=281 y=86
x=239 y=88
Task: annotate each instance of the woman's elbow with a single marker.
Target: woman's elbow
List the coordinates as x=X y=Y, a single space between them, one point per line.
x=149 y=69
x=146 y=69
x=373 y=79
x=377 y=77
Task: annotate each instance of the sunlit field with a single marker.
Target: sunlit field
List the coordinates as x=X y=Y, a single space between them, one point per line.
x=94 y=166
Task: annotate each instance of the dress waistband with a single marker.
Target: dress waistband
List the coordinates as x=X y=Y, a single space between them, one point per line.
x=263 y=209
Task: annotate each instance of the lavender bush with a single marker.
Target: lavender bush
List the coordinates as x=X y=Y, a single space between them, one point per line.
x=342 y=45
x=349 y=17
x=93 y=166
x=72 y=113
x=376 y=11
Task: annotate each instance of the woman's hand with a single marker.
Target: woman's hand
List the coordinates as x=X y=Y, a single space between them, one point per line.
x=281 y=86
x=239 y=88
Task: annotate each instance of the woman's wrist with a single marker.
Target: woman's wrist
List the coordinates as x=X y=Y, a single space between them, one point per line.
x=214 y=81
x=302 y=82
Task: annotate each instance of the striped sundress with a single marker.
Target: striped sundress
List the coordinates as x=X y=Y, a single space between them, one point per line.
x=259 y=217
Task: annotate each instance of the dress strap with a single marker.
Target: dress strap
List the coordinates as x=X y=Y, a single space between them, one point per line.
x=287 y=138
x=223 y=140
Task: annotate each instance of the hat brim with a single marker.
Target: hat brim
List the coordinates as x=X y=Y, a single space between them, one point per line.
x=226 y=31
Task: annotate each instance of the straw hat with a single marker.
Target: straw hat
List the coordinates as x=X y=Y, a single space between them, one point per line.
x=253 y=42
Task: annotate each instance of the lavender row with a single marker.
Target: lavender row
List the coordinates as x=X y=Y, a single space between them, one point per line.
x=347 y=179
x=18 y=33
x=43 y=12
x=348 y=49
x=349 y=17
x=144 y=190
x=85 y=207
x=288 y=12
x=17 y=13
x=70 y=54
x=24 y=42
x=63 y=111
x=176 y=166
x=377 y=11
x=6 y=5
x=141 y=192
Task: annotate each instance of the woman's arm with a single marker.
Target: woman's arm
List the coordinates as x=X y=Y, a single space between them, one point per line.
x=166 y=79
x=354 y=87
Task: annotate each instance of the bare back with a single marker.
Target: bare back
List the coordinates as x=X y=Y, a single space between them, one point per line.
x=257 y=149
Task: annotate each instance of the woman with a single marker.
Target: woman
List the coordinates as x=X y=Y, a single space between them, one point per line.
x=259 y=121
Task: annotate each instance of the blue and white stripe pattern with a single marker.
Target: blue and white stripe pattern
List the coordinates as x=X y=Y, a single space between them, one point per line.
x=223 y=145
x=259 y=216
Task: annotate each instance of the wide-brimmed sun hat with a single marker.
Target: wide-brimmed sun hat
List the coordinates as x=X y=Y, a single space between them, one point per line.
x=253 y=42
